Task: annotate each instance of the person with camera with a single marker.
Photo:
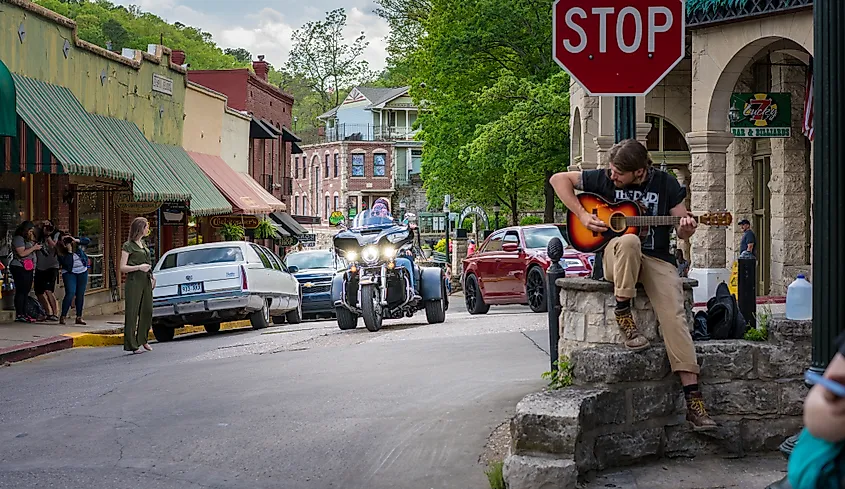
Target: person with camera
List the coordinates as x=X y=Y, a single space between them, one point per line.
x=22 y=266
x=47 y=269
x=74 y=262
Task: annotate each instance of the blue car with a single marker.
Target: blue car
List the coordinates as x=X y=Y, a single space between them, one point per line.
x=314 y=271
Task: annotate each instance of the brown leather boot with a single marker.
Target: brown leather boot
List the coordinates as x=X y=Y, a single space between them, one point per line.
x=697 y=415
x=634 y=341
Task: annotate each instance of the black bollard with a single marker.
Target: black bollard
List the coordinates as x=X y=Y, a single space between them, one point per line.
x=746 y=288
x=555 y=271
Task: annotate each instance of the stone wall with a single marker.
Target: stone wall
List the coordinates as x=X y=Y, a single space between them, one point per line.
x=587 y=314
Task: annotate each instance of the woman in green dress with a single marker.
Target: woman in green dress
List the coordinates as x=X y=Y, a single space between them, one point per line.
x=136 y=264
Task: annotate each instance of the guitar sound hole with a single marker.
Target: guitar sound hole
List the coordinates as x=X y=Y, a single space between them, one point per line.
x=617 y=223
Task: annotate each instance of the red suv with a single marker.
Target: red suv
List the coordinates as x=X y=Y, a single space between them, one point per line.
x=510 y=267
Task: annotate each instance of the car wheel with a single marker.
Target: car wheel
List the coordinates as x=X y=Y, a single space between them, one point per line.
x=346 y=319
x=472 y=296
x=535 y=289
x=295 y=316
x=435 y=311
x=212 y=328
x=260 y=319
x=163 y=333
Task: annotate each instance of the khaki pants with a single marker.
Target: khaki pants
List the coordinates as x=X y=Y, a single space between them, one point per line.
x=625 y=265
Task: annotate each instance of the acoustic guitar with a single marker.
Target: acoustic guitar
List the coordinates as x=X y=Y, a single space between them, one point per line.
x=624 y=217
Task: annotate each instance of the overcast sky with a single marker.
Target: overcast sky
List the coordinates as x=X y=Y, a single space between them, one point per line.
x=265 y=26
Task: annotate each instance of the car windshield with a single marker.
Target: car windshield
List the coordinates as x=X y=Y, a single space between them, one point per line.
x=539 y=237
x=202 y=256
x=370 y=218
x=308 y=261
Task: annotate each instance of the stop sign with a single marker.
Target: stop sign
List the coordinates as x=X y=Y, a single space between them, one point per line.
x=618 y=47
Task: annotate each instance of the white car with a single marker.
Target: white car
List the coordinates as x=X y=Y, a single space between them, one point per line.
x=215 y=282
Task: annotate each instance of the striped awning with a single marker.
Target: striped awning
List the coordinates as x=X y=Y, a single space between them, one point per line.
x=206 y=200
x=27 y=154
x=265 y=196
x=153 y=182
x=7 y=102
x=242 y=196
x=62 y=125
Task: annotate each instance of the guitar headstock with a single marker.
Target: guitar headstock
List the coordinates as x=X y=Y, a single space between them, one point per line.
x=716 y=219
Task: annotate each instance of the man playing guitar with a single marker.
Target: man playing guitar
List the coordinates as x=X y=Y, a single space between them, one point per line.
x=630 y=258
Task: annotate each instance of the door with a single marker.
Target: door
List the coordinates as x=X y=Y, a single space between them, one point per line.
x=260 y=274
x=488 y=275
x=511 y=267
x=762 y=222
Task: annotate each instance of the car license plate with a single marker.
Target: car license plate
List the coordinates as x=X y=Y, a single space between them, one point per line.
x=191 y=288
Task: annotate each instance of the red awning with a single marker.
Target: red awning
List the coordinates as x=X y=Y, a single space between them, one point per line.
x=267 y=197
x=245 y=198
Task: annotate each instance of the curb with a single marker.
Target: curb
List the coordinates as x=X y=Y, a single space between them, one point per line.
x=91 y=340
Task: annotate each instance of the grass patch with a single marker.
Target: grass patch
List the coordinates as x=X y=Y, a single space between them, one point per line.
x=495 y=476
x=761 y=332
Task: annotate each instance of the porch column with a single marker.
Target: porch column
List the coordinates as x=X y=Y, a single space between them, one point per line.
x=707 y=187
x=604 y=143
x=643 y=128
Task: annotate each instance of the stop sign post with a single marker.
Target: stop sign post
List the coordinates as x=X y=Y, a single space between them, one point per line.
x=618 y=47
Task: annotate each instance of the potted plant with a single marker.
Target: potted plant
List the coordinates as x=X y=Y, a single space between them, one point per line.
x=265 y=229
x=232 y=232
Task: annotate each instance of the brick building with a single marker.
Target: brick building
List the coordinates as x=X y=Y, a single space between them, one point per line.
x=270 y=107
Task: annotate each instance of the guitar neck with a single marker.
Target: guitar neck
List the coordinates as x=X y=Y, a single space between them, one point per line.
x=641 y=221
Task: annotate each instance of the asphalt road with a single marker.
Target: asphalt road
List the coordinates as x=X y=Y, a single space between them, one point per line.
x=304 y=406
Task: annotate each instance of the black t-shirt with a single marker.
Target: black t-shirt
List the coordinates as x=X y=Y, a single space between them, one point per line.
x=748 y=238
x=658 y=194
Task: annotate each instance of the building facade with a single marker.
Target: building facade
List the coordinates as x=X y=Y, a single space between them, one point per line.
x=251 y=93
x=692 y=124
x=365 y=150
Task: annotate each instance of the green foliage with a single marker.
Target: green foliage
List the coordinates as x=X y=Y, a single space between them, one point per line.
x=699 y=5
x=530 y=220
x=467 y=224
x=563 y=377
x=440 y=246
x=265 y=230
x=761 y=332
x=495 y=476
x=232 y=232
x=240 y=54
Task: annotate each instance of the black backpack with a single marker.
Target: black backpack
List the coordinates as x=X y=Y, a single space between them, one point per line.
x=724 y=319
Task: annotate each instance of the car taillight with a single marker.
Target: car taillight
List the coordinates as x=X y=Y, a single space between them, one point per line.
x=244 y=285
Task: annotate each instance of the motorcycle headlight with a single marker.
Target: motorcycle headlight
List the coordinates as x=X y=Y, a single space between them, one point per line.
x=370 y=254
x=397 y=237
x=351 y=255
x=389 y=252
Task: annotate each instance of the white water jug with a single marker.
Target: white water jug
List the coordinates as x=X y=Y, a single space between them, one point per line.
x=799 y=299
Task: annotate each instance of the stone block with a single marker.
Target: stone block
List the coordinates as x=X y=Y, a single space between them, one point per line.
x=573 y=326
x=782 y=329
x=602 y=409
x=765 y=435
x=611 y=364
x=619 y=449
x=682 y=441
x=549 y=422
x=792 y=395
x=784 y=361
x=742 y=397
x=656 y=400
x=525 y=472
x=725 y=360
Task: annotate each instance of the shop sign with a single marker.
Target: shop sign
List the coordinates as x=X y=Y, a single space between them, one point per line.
x=173 y=214
x=761 y=115
x=162 y=84
x=8 y=206
x=353 y=211
x=287 y=240
x=248 y=222
x=336 y=218
x=129 y=206
x=308 y=240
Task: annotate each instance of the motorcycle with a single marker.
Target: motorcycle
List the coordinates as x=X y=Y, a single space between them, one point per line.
x=381 y=281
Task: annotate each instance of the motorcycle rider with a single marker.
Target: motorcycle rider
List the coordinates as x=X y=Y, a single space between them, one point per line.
x=381 y=208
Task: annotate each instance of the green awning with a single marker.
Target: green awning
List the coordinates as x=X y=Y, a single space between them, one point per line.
x=153 y=181
x=8 y=115
x=63 y=125
x=206 y=200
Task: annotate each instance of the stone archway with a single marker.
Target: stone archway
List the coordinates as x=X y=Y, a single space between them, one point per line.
x=721 y=55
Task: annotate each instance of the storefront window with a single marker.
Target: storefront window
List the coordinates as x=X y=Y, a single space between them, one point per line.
x=13 y=211
x=91 y=210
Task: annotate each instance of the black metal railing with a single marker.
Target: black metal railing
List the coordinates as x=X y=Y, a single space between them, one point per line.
x=702 y=17
x=356 y=132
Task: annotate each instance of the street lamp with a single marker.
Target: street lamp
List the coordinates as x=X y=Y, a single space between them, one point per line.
x=496 y=209
x=295 y=119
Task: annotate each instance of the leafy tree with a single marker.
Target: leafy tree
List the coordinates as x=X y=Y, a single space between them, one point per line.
x=239 y=54
x=115 y=32
x=323 y=60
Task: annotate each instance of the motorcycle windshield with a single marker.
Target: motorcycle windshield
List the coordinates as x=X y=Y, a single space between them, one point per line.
x=368 y=219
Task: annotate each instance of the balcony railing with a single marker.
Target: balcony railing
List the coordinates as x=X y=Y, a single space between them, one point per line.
x=356 y=132
x=702 y=17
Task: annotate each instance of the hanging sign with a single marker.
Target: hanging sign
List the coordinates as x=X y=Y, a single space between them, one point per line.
x=248 y=222
x=761 y=115
x=129 y=206
x=336 y=218
x=287 y=241
x=173 y=214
